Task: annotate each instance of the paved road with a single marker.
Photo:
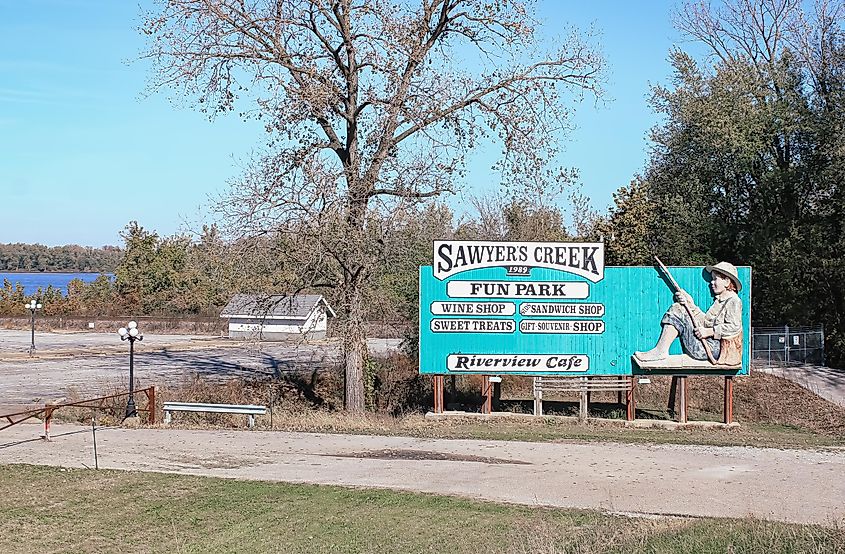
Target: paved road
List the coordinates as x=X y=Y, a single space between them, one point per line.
x=91 y=363
x=800 y=486
x=827 y=382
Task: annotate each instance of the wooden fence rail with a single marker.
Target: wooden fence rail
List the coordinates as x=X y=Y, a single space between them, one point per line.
x=94 y=403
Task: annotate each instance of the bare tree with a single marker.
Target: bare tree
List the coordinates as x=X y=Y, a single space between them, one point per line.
x=757 y=33
x=370 y=105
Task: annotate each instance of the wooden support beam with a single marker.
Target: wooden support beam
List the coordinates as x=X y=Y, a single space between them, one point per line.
x=673 y=394
x=682 y=394
x=438 y=394
x=487 y=394
x=585 y=400
x=151 y=404
x=729 y=400
x=48 y=418
x=630 y=403
x=538 y=397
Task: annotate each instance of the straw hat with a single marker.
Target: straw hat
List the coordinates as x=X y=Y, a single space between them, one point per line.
x=727 y=269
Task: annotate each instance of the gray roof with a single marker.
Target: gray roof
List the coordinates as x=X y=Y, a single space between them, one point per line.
x=298 y=306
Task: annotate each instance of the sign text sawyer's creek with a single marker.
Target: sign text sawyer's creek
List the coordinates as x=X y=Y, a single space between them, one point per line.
x=456 y=256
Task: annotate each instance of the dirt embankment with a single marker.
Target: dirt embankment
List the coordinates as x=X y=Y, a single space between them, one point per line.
x=213 y=326
x=188 y=325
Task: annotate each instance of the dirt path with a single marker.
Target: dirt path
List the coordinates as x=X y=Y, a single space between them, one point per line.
x=787 y=485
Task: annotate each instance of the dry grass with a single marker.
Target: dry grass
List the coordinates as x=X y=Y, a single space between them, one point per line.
x=759 y=398
x=772 y=411
x=771 y=399
x=111 y=410
x=295 y=414
x=542 y=535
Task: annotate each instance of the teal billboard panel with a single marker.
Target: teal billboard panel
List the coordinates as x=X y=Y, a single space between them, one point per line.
x=525 y=319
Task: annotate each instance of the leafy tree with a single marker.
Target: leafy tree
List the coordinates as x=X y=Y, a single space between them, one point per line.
x=628 y=230
x=73 y=303
x=12 y=298
x=211 y=273
x=99 y=297
x=371 y=108
x=519 y=218
x=132 y=275
x=51 y=299
x=152 y=274
x=393 y=293
x=749 y=164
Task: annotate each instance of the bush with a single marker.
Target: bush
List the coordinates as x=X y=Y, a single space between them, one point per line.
x=398 y=388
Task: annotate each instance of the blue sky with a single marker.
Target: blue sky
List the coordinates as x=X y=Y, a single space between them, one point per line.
x=83 y=150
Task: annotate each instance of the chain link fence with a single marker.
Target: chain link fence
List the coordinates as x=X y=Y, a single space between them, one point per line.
x=778 y=346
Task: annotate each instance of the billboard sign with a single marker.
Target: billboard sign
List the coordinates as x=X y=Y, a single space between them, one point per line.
x=535 y=308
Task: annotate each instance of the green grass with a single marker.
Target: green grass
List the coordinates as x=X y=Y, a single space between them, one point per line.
x=54 y=510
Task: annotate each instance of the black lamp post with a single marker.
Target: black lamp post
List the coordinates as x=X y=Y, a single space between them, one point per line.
x=131 y=333
x=33 y=307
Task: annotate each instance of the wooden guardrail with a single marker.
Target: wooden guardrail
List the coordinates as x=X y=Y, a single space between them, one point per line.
x=94 y=403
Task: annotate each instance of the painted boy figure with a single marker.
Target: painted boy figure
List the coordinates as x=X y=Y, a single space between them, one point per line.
x=720 y=326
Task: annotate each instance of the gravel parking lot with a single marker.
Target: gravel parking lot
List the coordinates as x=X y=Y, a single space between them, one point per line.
x=87 y=362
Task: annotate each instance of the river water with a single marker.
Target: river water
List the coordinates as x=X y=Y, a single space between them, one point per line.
x=33 y=281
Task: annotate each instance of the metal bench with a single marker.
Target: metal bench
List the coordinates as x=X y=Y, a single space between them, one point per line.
x=250 y=410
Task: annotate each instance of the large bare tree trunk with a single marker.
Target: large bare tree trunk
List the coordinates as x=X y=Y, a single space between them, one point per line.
x=376 y=85
x=355 y=349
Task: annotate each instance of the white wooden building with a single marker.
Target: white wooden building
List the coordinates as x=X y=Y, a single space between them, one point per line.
x=277 y=317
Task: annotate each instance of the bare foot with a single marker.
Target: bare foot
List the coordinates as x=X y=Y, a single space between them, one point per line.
x=652 y=355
